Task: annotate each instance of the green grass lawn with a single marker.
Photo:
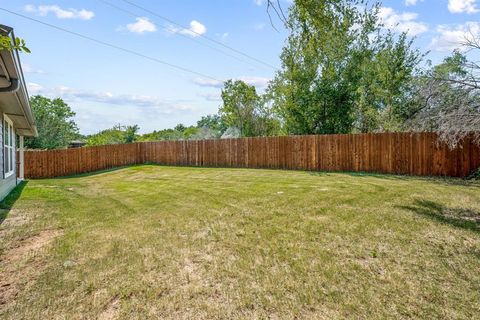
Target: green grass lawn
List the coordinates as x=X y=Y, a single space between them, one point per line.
x=201 y=243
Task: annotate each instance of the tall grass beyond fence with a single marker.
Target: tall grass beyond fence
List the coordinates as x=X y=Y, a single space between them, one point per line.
x=398 y=153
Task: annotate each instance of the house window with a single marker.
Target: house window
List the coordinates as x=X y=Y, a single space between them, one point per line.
x=8 y=147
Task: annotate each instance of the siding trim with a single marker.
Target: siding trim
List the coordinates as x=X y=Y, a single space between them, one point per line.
x=12 y=135
x=3 y=146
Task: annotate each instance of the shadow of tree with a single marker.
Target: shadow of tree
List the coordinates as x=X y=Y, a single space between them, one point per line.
x=7 y=204
x=458 y=217
x=387 y=176
x=102 y=171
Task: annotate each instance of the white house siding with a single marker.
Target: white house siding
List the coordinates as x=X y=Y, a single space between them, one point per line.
x=6 y=184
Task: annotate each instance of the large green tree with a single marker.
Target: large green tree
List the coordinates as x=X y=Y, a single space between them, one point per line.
x=341 y=71
x=131 y=133
x=383 y=83
x=117 y=135
x=180 y=132
x=212 y=121
x=56 y=127
x=447 y=100
x=240 y=102
x=244 y=109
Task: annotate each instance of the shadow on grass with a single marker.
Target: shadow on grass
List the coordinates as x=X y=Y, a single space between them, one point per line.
x=109 y=170
x=7 y=204
x=93 y=173
x=386 y=176
x=458 y=217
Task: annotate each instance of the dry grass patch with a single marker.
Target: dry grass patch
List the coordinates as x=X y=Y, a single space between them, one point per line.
x=111 y=310
x=197 y=243
x=22 y=263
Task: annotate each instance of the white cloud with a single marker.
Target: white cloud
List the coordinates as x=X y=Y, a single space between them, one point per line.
x=258 y=2
x=202 y=82
x=141 y=26
x=211 y=96
x=452 y=37
x=223 y=36
x=74 y=95
x=462 y=6
x=29 y=8
x=402 y=22
x=100 y=110
x=34 y=88
x=27 y=68
x=71 y=13
x=196 y=29
x=259 y=26
x=412 y=2
x=259 y=82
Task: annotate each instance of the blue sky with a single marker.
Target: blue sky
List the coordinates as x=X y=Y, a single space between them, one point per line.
x=105 y=86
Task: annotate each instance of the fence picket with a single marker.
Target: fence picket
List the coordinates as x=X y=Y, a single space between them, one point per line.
x=397 y=153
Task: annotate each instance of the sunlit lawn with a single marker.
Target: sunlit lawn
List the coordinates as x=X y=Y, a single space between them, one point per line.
x=201 y=243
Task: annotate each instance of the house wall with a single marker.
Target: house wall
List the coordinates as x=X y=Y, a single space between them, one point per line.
x=1 y=146
x=6 y=184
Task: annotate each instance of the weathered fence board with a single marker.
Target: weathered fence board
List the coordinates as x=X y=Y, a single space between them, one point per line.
x=399 y=153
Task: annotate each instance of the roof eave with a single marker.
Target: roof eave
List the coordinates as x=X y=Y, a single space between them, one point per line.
x=21 y=92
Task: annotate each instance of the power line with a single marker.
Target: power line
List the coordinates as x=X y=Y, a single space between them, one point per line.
x=180 y=34
x=199 y=34
x=107 y=44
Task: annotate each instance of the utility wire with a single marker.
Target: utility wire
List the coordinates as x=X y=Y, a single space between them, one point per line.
x=107 y=44
x=199 y=34
x=182 y=35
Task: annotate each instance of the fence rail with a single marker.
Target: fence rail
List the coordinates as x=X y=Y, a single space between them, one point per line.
x=399 y=153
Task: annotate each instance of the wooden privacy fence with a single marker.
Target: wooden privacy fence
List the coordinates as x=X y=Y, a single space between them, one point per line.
x=399 y=153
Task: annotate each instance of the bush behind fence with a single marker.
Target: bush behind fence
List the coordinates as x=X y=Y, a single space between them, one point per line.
x=398 y=153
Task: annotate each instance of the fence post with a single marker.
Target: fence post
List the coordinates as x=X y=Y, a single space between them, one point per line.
x=399 y=153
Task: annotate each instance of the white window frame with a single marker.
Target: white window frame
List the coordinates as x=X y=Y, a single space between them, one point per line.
x=8 y=147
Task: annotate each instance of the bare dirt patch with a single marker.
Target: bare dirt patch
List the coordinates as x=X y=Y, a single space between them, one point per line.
x=30 y=246
x=15 y=221
x=22 y=263
x=111 y=310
